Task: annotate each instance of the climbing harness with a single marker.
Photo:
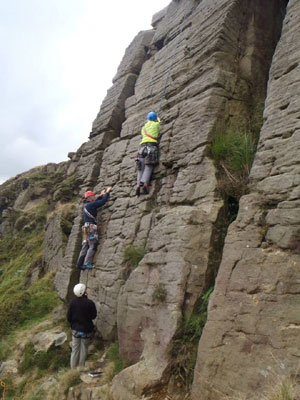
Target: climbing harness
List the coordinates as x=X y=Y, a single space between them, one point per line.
x=81 y=335
x=90 y=231
x=88 y=270
x=149 y=151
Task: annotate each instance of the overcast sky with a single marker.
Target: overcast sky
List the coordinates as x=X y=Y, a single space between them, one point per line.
x=57 y=60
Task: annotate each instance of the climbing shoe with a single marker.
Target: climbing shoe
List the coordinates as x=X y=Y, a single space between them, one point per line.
x=86 y=266
x=146 y=189
x=138 y=191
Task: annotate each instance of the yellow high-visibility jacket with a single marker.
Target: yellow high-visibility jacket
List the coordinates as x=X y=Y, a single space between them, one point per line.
x=150 y=132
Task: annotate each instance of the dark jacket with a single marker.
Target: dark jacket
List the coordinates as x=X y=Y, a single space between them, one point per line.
x=92 y=208
x=81 y=312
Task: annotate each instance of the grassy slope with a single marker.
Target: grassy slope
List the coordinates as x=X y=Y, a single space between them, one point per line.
x=25 y=302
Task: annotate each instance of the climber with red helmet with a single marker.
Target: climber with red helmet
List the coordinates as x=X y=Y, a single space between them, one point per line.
x=80 y=315
x=147 y=155
x=90 y=233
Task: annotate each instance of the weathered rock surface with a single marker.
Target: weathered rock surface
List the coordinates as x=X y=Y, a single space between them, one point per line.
x=217 y=67
x=42 y=341
x=88 y=392
x=253 y=324
x=53 y=244
x=204 y=63
x=111 y=114
x=8 y=367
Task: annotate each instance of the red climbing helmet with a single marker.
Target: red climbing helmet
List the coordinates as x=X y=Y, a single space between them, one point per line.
x=88 y=194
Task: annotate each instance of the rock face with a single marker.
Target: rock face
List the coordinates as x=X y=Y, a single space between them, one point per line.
x=42 y=341
x=253 y=325
x=204 y=63
x=53 y=243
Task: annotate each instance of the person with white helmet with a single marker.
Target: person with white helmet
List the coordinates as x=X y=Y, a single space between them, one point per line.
x=80 y=315
x=90 y=239
x=147 y=155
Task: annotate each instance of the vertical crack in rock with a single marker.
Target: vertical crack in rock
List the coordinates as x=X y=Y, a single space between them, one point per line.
x=226 y=216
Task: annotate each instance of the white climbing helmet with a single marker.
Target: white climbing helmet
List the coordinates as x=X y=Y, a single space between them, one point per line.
x=79 y=289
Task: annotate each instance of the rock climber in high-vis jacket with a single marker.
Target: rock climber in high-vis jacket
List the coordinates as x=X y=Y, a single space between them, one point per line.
x=147 y=155
x=90 y=233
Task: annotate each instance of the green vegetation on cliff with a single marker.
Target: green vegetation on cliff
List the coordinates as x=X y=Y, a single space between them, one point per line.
x=133 y=255
x=50 y=360
x=114 y=356
x=185 y=346
x=233 y=150
x=27 y=295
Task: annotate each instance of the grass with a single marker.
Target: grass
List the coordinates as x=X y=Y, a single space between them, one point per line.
x=41 y=183
x=30 y=388
x=36 y=394
x=13 y=293
x=159 y=293
x=42 y=299
x=67 y=189
x=6 y=346
x=21 y=307
x=71 y=378
x=282 y=390
x=235 y=149
x=133 y=255
x=68 y=213
x=52 y=360
x=20 y=302
x=67 y=218
x=114 y=356
x=64 y=189
x=66 y=379
x=24 y=301
x=185 y=346
x=233 y=152
x=104 y=393
x=13 y=391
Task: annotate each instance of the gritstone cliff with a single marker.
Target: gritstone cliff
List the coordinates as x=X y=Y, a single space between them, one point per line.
x=205 y=64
